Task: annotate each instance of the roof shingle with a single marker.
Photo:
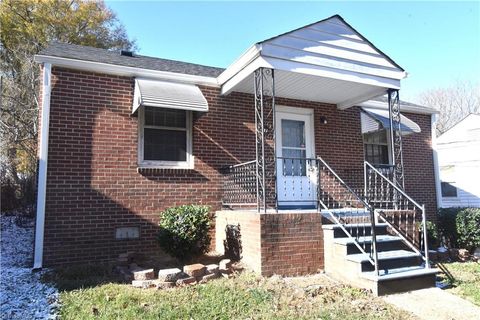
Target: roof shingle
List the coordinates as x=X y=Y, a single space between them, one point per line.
x=77 y=52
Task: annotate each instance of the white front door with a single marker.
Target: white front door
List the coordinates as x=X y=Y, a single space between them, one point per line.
x=296 y=169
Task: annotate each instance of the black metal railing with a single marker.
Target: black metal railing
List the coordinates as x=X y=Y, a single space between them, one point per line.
x=392 y=205
x=240 y=185
x=306 y=181
x=348 y=210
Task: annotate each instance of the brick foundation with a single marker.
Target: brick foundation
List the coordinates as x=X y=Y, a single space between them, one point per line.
x=287 y=244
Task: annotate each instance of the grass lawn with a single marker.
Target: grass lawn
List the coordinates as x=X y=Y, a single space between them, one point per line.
x=466 y=281
x=246 y=296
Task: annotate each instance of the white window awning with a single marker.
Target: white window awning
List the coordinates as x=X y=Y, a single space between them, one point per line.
x=377 y=119
x=170 y=95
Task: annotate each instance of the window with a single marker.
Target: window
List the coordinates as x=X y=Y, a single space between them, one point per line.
x=447 y=174
x=165 y=138
x=293 y=148
x=376 y=147
x=448 y=190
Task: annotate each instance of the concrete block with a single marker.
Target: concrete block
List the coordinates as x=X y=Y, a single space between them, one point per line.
x=194 y=270
x=208 y=277
x=169 y=275
x=142 y=283
x=186 y=281
x=212 y=269
x=164 y=284
x=225 y=264
x=147 y=274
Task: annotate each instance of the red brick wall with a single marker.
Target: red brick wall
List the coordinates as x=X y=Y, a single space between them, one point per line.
x=418 y=165
x=287 y=244
x=249 y=222
x=93 y=185
x=291 y=243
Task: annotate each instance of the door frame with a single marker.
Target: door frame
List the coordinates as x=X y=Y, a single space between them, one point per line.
x=294 y=111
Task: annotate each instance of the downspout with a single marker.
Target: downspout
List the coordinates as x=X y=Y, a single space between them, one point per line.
x=42 y=168
x=438 y=188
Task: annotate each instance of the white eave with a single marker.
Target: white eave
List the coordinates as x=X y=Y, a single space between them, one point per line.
x=404 y=107
x=126 y=71
x=327 y=61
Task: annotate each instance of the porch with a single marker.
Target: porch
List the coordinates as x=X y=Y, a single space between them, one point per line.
x=282 y=203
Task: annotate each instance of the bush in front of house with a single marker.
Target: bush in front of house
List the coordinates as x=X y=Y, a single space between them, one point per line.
x=184 y=231
x=468 y=228
x=447 y=226
x=460 y=227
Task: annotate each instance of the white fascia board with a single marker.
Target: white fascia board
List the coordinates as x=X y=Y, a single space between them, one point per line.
x=42 y=170
x=403 y=107
x=238 y=65
x=230 y=85
x=107 y=68
x=356 y=100
x=327 y=72
x=436 y=166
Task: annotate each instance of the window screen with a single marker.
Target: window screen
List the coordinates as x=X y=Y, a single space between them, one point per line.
x=376 y=147
x=165 y=135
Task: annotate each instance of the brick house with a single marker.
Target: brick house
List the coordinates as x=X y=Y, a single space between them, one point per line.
x=300 y=138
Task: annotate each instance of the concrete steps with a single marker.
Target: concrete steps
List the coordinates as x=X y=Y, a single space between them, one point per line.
x=400 y=269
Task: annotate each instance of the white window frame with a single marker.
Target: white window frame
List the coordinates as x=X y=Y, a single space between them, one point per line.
x=160 y=164
x=389 y=147
x=451 y=182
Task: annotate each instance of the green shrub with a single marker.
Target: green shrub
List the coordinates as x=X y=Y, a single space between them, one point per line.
x=468 y=228
x=447 y=226
x=184 y=231
x=432 y=234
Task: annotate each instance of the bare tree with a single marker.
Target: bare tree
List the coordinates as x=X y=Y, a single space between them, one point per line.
x=454 y=103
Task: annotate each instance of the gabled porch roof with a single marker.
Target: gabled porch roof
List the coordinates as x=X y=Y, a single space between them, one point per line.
x=327 y=61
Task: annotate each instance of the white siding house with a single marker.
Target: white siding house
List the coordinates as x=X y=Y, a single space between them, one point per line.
x=459 y=163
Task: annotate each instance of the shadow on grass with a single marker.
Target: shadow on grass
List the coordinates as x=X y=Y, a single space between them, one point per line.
x=82 y=276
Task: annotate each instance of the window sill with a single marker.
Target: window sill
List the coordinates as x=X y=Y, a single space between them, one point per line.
x=162 y=170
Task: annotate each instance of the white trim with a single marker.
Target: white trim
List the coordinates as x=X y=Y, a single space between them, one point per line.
x=247 y=71
x=42 y=170
x=189 y=164
x=294 y=110
x=126 y=71
x=332 y=73
x=352 y=102
x=436 y=166
x=244 y=60
x=299 y=114
x=404 y=107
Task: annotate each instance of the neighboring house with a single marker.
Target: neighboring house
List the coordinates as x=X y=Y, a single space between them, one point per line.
x=269 y=142
x=458 y=151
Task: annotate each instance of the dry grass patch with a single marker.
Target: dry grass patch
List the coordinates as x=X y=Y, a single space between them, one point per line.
x=245 y=296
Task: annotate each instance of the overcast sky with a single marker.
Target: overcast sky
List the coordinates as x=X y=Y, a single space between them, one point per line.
x=437 y=43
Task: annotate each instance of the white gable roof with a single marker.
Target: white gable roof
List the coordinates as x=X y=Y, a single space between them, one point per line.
x=335 y=62
x=332 y=43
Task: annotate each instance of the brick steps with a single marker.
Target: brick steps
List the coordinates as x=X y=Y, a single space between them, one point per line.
x=400 y=269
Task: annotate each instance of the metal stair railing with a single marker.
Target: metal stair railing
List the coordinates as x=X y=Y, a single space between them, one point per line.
x=240 y=185
x=348 y=210
x=401 y=213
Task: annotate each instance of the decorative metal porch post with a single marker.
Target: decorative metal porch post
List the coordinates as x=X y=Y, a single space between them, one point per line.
x=264 y=88
x=396 y=137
